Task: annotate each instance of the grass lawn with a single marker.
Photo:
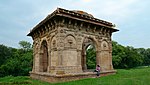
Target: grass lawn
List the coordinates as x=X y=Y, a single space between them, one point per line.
x=136 y=76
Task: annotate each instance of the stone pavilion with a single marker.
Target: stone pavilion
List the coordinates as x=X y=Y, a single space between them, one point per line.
x=60 y=42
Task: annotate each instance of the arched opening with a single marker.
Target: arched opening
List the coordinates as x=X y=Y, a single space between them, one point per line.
x=44 y=57
x=91 y=57
x=88 y=59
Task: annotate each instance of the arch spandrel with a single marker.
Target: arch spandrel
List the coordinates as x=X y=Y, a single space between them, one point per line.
x=104 y=46
x=90 y=40
x=53 y=43
x=70 y=42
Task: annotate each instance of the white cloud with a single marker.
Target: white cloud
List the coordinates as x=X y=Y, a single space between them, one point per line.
x=114 y=10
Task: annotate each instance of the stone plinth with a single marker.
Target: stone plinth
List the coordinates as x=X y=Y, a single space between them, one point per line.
x=68 y=77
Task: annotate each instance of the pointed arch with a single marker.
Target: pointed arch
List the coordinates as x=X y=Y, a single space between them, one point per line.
x=87 y=41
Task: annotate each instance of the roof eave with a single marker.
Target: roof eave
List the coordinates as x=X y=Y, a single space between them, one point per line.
x=65 y=13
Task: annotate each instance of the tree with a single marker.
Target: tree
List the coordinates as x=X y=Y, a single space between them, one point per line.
x=118 y=52
x=145 y=54
x=125 y=57
x=132 y=58
x=25 y=45
x=26 y=55
x=147 y=57
x=91 y=57
x=5 y=53
x=16 y=62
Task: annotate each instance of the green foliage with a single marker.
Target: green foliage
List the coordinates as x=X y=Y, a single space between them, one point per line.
x=91 y=58
x=136 y=76
x=5 y=53
x=145 y=54
x=25 y=45
x=129 y=57
x=15 y=62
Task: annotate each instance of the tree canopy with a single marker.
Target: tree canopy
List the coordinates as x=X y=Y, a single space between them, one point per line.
x=14 y=61
x=129 y=57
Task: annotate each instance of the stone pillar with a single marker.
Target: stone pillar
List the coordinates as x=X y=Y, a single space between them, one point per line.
x=79 y=57
x=79 y=51
x=110 y=60
x=79 y=60
x=110 y=53
x=60 y=48
x=84 y=66
x=98 y=58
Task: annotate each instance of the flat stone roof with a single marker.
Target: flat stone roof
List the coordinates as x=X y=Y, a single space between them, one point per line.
x=75 y=14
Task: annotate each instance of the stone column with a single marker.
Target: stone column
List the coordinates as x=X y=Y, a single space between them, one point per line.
x=110 y=54
x=60 y=48
x=98 y=58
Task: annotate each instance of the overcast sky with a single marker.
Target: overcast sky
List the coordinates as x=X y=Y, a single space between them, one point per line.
x=132 y=18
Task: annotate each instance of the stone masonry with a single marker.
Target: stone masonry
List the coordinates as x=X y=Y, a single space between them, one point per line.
x=60 y=42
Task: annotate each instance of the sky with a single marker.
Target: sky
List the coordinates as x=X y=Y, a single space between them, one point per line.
x=131 y=17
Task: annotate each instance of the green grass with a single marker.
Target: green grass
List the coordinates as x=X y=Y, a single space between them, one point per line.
x=136 y=76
